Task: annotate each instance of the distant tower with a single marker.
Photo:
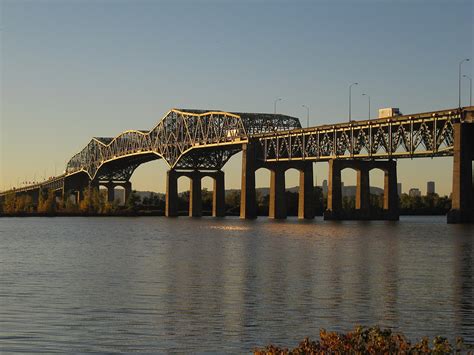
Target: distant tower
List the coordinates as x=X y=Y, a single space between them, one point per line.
x=430 y=187
x=399 y=188
x=414 y=192
x=325 y=187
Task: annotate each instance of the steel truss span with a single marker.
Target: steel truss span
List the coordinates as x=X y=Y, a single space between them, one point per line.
x=185 y=139
x=422 y=135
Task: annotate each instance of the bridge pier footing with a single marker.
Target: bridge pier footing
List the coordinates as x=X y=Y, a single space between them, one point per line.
x=362 y=210
x=462 y=210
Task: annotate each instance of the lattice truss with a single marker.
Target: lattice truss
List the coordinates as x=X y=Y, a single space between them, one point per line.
x=404 y=136
x=183 y=138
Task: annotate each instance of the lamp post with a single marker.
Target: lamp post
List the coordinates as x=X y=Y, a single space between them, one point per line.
x=275 y=105
x=307 y=115
x=350 y=100
x=470 y=88
x=369 y=102
x=460 y=63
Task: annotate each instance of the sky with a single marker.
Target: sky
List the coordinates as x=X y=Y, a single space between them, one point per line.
x=72 y=70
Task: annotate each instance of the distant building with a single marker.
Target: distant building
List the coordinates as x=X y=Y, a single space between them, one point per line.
x=430 y=187
x=414 y=192
x=399 y=188
x=325 y=187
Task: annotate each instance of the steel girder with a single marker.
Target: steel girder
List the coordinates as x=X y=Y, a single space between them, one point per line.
x=422 y=135
x=183 y=138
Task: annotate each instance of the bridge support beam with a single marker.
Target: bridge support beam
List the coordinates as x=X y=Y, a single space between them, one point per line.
x=195 y=197
x=462 y=210
x=218 y=195
x=277 y=198
x=306 y=192
x=248 y=200
x=171 y=209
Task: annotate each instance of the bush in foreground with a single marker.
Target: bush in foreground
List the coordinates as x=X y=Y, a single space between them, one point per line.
x=372 y=340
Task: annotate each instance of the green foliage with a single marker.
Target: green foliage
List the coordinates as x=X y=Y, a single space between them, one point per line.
x=429 y=204
x=133 y=201
x=364 y=340
x=47 y=202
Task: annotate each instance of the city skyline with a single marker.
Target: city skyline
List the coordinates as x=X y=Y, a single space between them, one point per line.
x=100 y=83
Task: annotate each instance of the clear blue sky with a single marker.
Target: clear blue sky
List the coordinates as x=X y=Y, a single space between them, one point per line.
x=76 y=69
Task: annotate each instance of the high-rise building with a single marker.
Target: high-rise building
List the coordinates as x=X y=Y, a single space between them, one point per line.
x=414 y=192
x=325 y=187
x=430 y=187
x=399 y=188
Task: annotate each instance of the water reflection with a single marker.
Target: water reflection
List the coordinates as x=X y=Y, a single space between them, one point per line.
x=157 y=284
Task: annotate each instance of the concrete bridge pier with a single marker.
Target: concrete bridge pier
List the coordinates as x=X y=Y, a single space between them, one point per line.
x=362 y=202
x=218 y=195
x=171 y=208
x=462 y=208
x=248 y=198
x=306 y=192
x=390 y=199
x=195 y=197
x=195 y=192
x=362 y=210
x=277 y=198
x=334 y=203
x=110 y=191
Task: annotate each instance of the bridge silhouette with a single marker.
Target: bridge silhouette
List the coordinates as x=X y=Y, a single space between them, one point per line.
x=198 y=143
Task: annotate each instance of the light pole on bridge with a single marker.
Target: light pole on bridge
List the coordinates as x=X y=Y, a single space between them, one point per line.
x=460 y=63
x=350 y=100
x=369 y=102
x=275 y=105
x=470 y=88
x=307 y=115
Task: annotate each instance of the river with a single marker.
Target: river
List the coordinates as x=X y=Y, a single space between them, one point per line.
x=154 y=284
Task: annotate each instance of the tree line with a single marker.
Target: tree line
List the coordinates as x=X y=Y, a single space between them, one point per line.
x=94 y=201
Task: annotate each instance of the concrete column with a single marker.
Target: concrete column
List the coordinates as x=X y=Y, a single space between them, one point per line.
x=277 y=202
x=390 y=198
x=462 y=208
x=171 y=209
x=195 y=195
x=128 y=190
x=218 y=195
x=110 y=191
x=248 y=199
x=334 y=189
x=306 y=193
x=363 y=189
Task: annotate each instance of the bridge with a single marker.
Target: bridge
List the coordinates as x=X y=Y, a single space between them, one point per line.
x=198 y=143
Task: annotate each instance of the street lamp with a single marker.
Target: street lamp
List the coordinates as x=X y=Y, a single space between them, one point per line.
x=470 y=88
x=460 y=63
x=275 y=105
x=307 y=115
x=369 y=102
x=350 y=99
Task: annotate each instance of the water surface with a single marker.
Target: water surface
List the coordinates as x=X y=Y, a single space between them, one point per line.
x=154 y=284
